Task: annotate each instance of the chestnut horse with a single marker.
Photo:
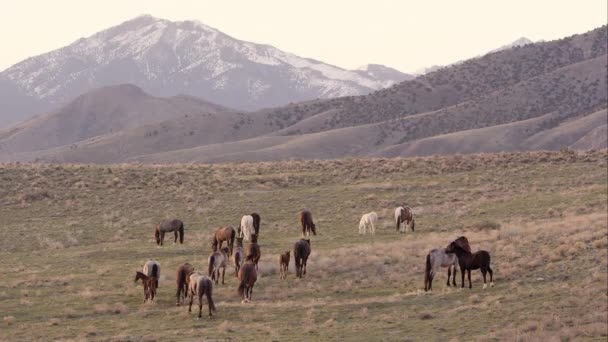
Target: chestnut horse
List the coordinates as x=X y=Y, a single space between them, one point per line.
x=301 y=251
x=307 y=224
x=175 y=226
x=200 y=285
x=284 y=264
x=470 y=261
x=404 y=215
x=239 y=256
x=253 y=251
x=248 y=275
x=181 y=279
x=223 y=234
x=149 y=285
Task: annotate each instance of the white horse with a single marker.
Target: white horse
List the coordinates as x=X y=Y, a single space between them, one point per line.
x=149 y=269
x=434 y=260
x=404 y=216
x=246 y=227
x=368 y=220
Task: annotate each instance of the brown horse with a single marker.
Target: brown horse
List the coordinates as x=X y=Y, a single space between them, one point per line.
x=307 y=224
x=470 y=261
x=218 y=260
x=247 y=275
x=223 y=234
x=199 y=286
x=149 y=285
x=175 y=226
x=404 y=215
x=239 y=256
x=253 y=251
x=181 y=279
x=284 y=264
x=256 y=223
x=301 y=251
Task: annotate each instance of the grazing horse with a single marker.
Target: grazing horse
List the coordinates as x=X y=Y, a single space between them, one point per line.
x=175 y=226
x=301 y=251
x=218 y=260
x=200 y=285
x=239 y=256
x=253 y=251
x=307 y=224
x=404 y=215
x=368 y=220
x=256 y=223
x=248 y=275
x=434 y=260
x=223 y=234
x=284 y=264
x=149 y=285
x=152 y=269
x=181 y=279
x=470 y=261
x=246 y=228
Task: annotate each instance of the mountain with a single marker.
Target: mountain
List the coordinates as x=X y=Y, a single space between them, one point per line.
x=384 y=74
x=166 y=58
x=545 y=95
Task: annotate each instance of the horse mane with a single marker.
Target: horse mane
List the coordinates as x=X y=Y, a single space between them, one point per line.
x=463 y=243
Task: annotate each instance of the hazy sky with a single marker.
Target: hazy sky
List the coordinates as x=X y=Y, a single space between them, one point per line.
x=407 y=35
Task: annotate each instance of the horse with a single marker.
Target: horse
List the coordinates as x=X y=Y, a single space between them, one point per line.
x=301 y=251
x=253 y=251
x=368 y=220
x=256 y=223
x=200 y=285
x=404 y=215
x=470 y=261
x=181 y=279
x=284 y=264
x=434 y=260
x=239 y=256
x=218 y=260
x=248 y=275
x=175 y=226
x=223 y=234
x=152 y=269
x=149 y=284
x=246 y=228
x=307 y=224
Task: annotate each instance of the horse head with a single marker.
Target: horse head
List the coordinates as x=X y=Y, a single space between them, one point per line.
x=462 y=243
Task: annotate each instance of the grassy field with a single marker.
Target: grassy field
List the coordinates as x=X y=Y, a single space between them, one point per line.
x=74 y=235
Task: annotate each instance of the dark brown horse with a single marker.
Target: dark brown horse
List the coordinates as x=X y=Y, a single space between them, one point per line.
x=239 y=256
x=248 y=275
x=470 y=261
x=307 y=224
x=149 y=285
x=253 y=252
x=256 y=223
x=199 y=286
x=181 y=280
x=175 y=226
x=223 y=234
x=301 y=251
x=284 y=264
x=404 y=216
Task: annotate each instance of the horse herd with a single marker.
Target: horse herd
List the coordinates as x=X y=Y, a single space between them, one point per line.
x=191 y=283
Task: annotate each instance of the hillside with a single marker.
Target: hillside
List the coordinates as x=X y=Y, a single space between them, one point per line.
x=167 y=58
x=74 y=235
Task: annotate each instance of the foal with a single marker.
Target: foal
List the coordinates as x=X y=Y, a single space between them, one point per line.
x=149 y=285
x=470 y=261
x=284 y=264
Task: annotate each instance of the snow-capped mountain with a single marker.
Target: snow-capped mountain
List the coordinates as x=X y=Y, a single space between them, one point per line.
x=384 y=74
x=167 y=58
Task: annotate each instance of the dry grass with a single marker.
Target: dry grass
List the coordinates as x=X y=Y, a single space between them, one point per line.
x=550 y=270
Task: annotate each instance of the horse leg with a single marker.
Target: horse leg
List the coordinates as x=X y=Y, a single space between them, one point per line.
x=469 y=276
x=223 y=274
x=483 y=273
x=191 y=300
x=175 y=234
x=162 y=238
x=200 y=306
x=449 y=274
x=462 y=271
x=491 y=276
x=454 y=276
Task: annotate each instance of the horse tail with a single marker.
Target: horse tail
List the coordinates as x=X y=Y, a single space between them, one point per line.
x=154 y=272
x=209 y=293
x=397 y=219
x=181 y=233
x=427 y=271
x=242 y=288
x=232 y=237
x=211 y=264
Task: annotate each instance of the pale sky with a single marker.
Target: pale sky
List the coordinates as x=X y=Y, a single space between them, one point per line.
x=407 y=35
